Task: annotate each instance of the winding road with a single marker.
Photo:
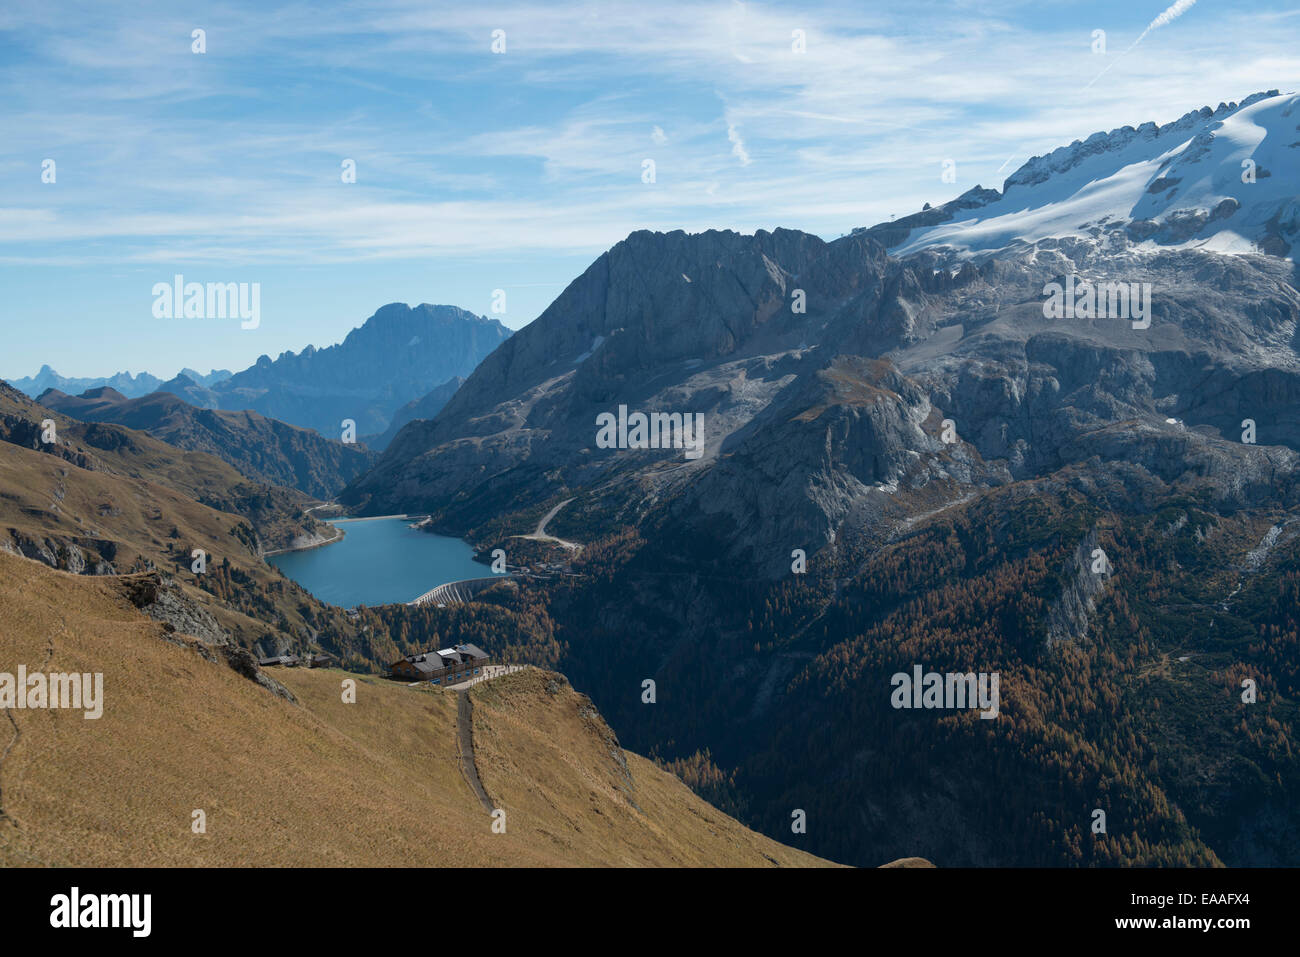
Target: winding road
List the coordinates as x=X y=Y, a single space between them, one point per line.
x=540 y=534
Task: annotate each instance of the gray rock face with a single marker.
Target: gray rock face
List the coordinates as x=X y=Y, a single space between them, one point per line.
x=1069 y=617
x=80 y=556
x=837 y=414
x=842 y=436
x=167 y=603
x=673 y=323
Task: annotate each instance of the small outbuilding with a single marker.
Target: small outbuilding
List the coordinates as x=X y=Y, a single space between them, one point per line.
x=286 y=661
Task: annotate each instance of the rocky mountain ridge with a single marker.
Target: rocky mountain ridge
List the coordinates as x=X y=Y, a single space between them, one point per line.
x=841 y=409
x=261 y=448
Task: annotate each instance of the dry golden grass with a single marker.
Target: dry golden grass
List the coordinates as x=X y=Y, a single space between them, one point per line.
x=45 y=498
x=147 y=464
x=546 y=756
x=318 y=783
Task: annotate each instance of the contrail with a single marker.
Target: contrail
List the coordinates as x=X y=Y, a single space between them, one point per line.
x=1172 y=13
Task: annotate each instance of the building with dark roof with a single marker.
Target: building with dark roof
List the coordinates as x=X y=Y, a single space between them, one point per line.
x=444 y=666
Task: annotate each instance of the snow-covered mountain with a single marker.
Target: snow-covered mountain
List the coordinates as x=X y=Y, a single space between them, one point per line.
x=1226 y=180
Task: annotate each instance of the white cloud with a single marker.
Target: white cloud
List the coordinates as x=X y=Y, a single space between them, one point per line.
x=737 y=145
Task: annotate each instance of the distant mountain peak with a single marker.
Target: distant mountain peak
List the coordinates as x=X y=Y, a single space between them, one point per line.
x=398 y=355
x=213 y=377
x=124 y=382
x=105 y=392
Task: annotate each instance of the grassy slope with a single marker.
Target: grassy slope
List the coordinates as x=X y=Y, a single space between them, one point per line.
x=588 y=801
x=44 y=498
x=117 y=494
x=318 y=783
x=273 y=511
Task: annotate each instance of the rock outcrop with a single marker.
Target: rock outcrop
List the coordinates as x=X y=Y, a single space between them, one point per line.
x=165 y=601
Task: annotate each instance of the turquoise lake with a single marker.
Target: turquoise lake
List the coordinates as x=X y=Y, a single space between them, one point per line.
x=380 y=561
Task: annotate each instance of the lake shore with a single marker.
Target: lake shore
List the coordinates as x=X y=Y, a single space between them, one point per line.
x=338 y=537
x=370 y=518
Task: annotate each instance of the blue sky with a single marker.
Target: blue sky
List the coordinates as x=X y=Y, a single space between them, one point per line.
x=479 y=171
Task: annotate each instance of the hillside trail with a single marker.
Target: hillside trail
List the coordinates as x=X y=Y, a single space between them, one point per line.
x=465 y=739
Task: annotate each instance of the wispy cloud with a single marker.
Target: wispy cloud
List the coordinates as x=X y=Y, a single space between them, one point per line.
x=477 y=171
x=737 y=145
x=236 y=153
